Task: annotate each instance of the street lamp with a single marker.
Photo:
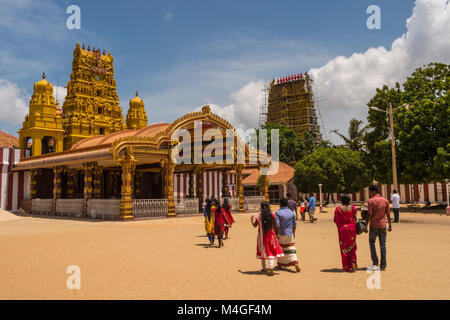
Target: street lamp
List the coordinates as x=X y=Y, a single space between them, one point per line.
x=320 y=197
x=390 y=112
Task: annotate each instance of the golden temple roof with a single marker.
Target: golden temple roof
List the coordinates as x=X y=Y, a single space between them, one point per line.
x=148 y=131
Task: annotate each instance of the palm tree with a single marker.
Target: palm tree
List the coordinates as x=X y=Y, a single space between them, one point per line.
x=355 y=139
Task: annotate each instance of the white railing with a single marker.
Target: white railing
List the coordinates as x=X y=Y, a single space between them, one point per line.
x=187 y=206
x=69 y=207
x=150 y=208
x=103 y=208
x=41 y=206
x=253 y=203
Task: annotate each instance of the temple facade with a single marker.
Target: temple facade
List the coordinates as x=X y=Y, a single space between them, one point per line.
x=84 y=160
x=130 y=173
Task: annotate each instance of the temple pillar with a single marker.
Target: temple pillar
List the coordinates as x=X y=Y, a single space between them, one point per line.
x=168 y=169
x=199 y=184
x=137 y=184
x=265 y=187
x=240 y=187
x=33 y=184
x=97 y=181
x=224 y=183
x=57 y=177
x=36 y=148
x=87 y=192
x=128 y=164
x=70 y=184
x=191 y=184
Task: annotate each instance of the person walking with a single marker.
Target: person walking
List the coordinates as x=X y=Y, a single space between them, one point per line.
x=220 y=220
x=268 y=248
x=209 y=221
x=345 y=219
x=292 y=204
x=395 y=199
x=227 y=210
x=286 y=225
x=303 y=204
x=312 y=208
x=378 y=210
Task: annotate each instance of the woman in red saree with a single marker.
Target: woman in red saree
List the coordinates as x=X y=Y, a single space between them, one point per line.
x=227 y=210
x=345 y=219
x=268 y=248
x=220 y=220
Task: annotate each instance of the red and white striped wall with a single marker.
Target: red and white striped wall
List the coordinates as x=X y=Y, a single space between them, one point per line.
x=409 y=193
x=212 y=184
x=13 y=185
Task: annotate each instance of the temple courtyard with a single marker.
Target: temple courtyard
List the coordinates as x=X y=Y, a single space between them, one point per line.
x=169 y=259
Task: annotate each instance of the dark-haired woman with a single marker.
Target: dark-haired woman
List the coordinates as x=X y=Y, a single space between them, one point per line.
x=209 y=221
x=268 y=248
x=227 y=210
x=345 y=219
x=220 y=220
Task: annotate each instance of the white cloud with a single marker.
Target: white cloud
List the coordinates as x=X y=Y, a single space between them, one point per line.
x=348 y=83
x=241 y=112
x=12 y=102
x=168 y=16
x=60 y=94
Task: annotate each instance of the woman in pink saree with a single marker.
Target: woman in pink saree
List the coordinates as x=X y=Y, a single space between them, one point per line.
x=345 y=219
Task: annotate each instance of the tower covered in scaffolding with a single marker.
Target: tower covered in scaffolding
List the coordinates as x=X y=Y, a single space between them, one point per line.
x=290 y=103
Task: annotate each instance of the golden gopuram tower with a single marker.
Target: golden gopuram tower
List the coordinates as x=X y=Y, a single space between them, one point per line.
x=291 y=103
x=42 y=130
x=92 y=105
x=136 y=116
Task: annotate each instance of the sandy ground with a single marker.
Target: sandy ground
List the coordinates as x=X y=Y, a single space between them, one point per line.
x=169 y=259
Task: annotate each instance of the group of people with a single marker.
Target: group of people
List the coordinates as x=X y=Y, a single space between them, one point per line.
x=276 y=232
x=218 y=220
x=307 y=205
x=345 y=217
x=276 y=237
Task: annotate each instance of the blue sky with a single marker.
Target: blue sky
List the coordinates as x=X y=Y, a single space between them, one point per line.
x=183 y=54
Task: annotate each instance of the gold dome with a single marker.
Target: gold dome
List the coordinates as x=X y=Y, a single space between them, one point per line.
x=136 y=101
x=136 y=116
x=43 y=85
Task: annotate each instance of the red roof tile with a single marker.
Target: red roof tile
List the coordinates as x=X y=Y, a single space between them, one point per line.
x=284 y=174
x=8 y=141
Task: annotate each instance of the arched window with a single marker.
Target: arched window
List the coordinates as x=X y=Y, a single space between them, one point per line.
x=28 y=146
x=48 y=145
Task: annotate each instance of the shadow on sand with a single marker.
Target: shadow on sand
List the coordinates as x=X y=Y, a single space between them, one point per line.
x=257 y=273
x=339 y=270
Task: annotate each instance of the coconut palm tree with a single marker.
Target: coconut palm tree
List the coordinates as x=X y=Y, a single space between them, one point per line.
x=355 y=139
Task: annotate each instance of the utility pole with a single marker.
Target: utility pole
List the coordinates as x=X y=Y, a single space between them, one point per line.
x=394 y=161
x=390 y=112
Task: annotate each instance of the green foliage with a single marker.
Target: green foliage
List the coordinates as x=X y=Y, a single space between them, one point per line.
x=421 y=130
x=337 y=169
x=291 y=147
x=355 y=139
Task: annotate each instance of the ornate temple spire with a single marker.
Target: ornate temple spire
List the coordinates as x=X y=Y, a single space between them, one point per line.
x=43 y=113
x=136 y=116
x=91 y=106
